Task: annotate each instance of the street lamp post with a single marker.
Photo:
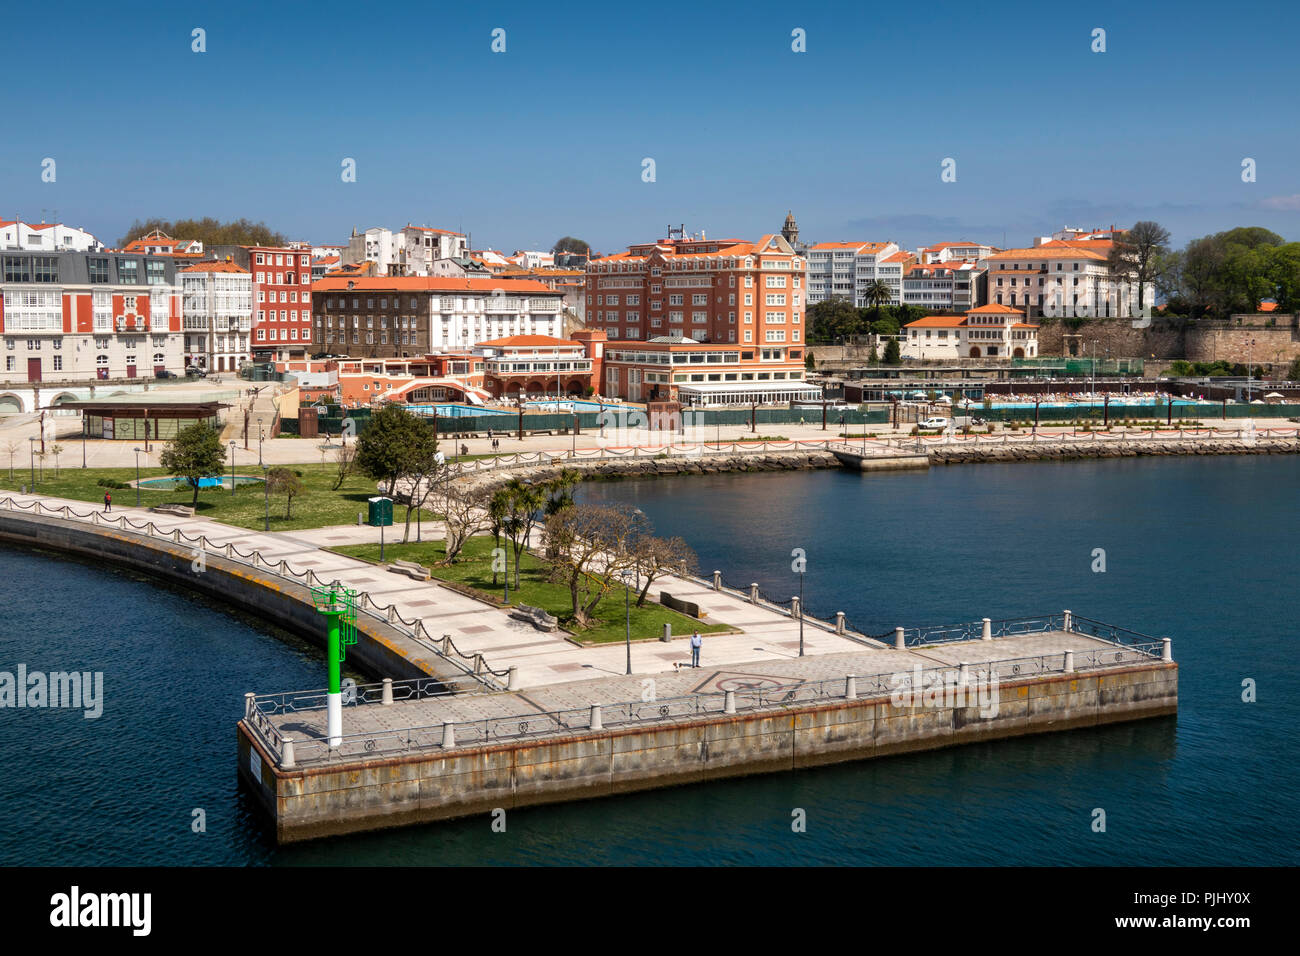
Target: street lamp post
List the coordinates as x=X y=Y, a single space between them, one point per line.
x=31 y=444
x=233 y=443
x=261 y=433
x=137 y=477
x=801 y=569
x=627 y=616
x=85 y=425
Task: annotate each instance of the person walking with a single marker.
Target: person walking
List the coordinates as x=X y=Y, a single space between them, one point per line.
x=108 y=501
x=696 y=643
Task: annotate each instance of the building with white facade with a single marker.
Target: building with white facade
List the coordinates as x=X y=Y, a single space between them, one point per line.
x=217 y=315
x=847 y=270
x=46 y=237
x=76 y=316
x=942 y=287
x=954 y=252
x=1062 y=279
x=407 y=252
x=989 y=332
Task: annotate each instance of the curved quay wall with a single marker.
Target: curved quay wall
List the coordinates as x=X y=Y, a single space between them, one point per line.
x=381 y=651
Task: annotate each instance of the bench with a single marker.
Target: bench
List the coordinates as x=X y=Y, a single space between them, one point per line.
x=535 y=616
x=179 y=511
x=410 y=569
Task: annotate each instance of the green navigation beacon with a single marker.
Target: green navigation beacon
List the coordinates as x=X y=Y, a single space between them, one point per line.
x=339 y=605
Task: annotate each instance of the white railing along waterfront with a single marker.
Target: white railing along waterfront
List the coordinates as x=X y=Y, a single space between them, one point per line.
x=474 y=667
x=451 y=734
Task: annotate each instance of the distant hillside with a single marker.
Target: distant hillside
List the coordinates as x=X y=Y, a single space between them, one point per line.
x=209 y=231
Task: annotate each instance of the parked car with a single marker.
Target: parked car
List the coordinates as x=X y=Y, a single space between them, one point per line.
x=196 y=370
x=933 y=423
x=163 y=373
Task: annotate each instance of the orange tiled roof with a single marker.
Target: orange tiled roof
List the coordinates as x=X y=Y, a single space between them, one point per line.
x=222 y=266
x=334 y=281
x=1049 y=251
x=527 y=341
x=937 y=322
x=994 y=309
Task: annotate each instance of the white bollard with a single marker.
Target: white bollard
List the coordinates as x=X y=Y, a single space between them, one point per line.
x=1069 y=621
x=668 y=632
x=986 y=632
x=512 y=679
x=899 y=643
x=963 y=673
x=851 y=687
x=596 y=722
x=448 y=735
x=717 y=580
x=1167 y=651
x=753 y=593
x=729 y=702
x=796 y=609
x=839 y=622
x=287 y=755
x=387 y=696
x=1069 y=662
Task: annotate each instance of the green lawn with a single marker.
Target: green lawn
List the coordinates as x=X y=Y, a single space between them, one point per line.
x=316 y=507
x=474 y=570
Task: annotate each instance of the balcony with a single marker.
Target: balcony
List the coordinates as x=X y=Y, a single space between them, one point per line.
x=131 y=323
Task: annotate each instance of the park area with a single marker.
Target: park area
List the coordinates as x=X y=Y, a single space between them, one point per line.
x=472 y=573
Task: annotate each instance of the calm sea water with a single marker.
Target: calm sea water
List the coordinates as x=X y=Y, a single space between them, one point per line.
x=1202 y=550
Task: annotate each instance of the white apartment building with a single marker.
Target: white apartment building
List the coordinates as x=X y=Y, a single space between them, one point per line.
x=216 y=315
x=944 y=287
x=989 y=332
x=954 y=252
x=407 y=252
x=46 y=237
x=847 y=269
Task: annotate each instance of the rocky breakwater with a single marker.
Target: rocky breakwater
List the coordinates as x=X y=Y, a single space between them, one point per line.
x=651 y=467
x=1112 y=447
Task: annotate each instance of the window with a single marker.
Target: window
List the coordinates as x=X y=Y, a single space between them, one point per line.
x=155 y=272
x=128 y=271
x=47 y=269
x=17 y=269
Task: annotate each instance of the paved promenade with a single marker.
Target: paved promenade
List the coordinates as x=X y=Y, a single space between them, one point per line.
x=540 y=658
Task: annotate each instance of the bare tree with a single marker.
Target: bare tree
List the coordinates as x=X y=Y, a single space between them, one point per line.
x=346 y=457
x=592 y=546
x=1138 y=255
x=12 y=447
x=56 y=450
x=420 y=470
x=465 y=516
x=654 y=557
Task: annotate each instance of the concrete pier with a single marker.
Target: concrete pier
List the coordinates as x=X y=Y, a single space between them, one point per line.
x=450 y=756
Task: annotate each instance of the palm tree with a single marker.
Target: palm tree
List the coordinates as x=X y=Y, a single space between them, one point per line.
x=877 y=294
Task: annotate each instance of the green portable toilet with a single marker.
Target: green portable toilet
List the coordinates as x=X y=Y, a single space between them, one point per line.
x=381 y=511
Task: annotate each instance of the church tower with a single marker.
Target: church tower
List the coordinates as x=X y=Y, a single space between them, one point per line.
x=791 y=229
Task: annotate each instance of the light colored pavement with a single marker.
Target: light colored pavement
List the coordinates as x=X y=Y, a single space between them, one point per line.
x=541 y=658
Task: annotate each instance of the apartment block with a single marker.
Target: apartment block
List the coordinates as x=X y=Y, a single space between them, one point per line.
x=77 y=316
x=217 y=313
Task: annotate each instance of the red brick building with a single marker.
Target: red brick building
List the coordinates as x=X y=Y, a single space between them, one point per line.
x=281 y=302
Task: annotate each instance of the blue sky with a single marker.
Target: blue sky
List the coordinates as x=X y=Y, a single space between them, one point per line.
x=547 y=139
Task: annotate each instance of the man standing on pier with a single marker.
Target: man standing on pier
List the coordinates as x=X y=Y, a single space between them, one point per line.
x=696 y=643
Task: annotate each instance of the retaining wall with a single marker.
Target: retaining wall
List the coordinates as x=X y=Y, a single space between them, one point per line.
x=418 y=788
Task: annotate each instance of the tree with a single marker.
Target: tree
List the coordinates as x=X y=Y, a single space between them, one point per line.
x=419 y=468
x=654 y=557
x=12 y=447
x=809 y=362
x=345 y=456
x=592 y=546
x=465 y=515
x=283 y=481
x=498 y=512
x=1292 y=375
x=878 y=293
x=386 y=445
x=1138 y=254
x=833 y=319
x=893 y=355
x=56 y=450
x=194 y=453
x=209 y=231
x=570 y=244
x=522 y=500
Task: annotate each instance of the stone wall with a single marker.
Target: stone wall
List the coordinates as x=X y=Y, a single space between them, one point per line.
x=433 y=785
x=1277 y=344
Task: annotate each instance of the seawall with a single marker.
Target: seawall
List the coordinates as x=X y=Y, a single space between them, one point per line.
x=1108 y=448
x=381 y=651
x=437 y=785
